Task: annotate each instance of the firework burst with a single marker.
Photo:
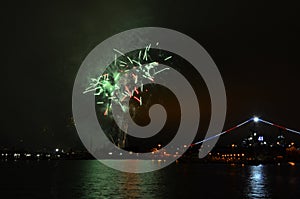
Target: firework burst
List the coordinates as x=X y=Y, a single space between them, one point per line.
x=124 y=79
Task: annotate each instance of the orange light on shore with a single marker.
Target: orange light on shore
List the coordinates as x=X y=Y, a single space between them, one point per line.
x=292 y=163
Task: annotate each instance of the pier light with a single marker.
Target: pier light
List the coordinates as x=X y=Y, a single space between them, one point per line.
x=256 y=119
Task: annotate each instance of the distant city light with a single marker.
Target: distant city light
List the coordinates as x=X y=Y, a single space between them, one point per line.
x=292 y=163
x=17 y=155
x=56 y=150
x=261 y=138
x=256 y=119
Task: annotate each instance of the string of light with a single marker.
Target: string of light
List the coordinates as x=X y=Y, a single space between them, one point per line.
x=253 y=119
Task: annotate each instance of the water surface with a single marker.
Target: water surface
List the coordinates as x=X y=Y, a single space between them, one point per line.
x=91 y=179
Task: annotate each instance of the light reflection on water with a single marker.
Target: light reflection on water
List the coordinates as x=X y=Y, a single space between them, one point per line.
x=108 y=183
x=91 y=179
x=258 y=185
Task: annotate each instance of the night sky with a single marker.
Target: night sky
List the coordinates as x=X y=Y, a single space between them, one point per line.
x=254 y=44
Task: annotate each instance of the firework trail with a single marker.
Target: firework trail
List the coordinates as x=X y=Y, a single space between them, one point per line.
x=115 y=84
